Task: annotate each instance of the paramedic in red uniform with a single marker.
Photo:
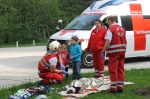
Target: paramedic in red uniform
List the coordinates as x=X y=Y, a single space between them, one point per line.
x=50 y=68
x=96 y=44
x=115 y=48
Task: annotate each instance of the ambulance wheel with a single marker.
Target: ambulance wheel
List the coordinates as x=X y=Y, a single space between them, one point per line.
x=87 y=60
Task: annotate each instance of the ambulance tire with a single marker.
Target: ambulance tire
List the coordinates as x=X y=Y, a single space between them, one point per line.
x=87 y=60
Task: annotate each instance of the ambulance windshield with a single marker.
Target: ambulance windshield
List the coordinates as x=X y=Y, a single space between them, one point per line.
x=83 y=22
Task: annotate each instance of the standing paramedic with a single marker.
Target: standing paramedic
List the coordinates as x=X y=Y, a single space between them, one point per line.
x=50 y=68
x=115 y=48
x=59 y=25
x=96 y=44
x=75 y=56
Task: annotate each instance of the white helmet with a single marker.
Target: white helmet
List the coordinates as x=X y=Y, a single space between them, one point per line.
x=54 y=45
x=60 y=21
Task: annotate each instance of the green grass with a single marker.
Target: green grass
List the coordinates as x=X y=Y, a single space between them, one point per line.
x=140 y=77
x=22 y=45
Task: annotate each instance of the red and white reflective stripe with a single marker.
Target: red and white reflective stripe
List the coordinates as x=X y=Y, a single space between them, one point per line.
x=120 y=85
x=114 y=87
x=47 y=64
x=115 y=51
x=54 y=81
x=51 y=81
x=117 y=45
x=39 y=72
x=113 y=82
x=44 y=65
x=97 y=72
x=121 y=82
x=101 y=73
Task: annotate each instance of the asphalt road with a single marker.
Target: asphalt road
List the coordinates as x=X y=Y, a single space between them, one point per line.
x=19 y=65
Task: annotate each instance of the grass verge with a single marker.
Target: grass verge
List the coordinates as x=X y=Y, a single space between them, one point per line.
x=42 y=42
x=22 y=45
x=141 y=78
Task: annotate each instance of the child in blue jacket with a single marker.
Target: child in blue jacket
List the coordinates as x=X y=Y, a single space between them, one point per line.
x=75 y=56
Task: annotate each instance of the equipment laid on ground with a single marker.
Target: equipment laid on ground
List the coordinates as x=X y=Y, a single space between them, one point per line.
x=31 y=91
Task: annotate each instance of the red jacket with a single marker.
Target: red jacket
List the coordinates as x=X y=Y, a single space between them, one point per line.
x=118 y=42
x=65 y=57
x=97 y=40
x=44 y=65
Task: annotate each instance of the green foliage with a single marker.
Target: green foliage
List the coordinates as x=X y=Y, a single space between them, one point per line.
x=25 y=20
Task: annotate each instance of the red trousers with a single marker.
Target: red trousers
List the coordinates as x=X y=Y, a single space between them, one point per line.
x=98 y=64
x=116 y=71
x=50 y=77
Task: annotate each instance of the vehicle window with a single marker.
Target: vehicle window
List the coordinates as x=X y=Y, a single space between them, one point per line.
x=83 y=22
x=127 y=22
x=146 y=22
x=146 y=16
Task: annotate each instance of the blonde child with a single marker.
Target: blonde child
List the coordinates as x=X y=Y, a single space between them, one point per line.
x=65 y=57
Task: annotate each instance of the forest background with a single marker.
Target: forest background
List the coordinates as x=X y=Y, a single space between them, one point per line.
x=28 y=20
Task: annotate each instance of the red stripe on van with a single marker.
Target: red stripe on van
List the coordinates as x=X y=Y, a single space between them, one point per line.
x=138 y=25
x=63 y=32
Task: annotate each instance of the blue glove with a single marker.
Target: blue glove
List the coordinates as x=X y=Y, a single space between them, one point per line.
x=62 y=67
x=64 y=72
x=103 y=54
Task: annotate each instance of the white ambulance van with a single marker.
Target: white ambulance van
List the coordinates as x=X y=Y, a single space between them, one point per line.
x=133 y=15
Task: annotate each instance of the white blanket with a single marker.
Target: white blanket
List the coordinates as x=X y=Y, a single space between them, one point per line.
x=103 y=87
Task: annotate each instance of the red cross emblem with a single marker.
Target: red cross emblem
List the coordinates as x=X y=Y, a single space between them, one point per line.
x=66 y=31
x=120 y=31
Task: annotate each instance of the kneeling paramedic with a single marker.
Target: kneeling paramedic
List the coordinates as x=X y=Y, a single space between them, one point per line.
x=50 y=68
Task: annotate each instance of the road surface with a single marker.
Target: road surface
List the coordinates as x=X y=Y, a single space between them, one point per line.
x=19 y=65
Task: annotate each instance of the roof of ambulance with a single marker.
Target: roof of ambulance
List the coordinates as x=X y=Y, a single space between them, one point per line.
x=113 y=6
